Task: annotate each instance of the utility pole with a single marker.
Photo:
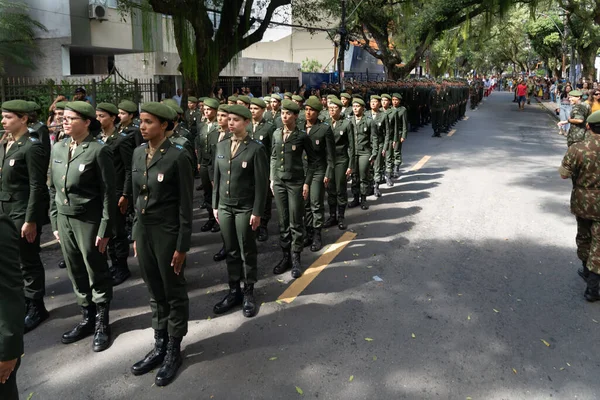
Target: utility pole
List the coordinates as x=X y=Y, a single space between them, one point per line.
x=564 y=47
x=342 y=52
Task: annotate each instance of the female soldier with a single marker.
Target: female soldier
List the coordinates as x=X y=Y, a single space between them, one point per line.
x=23 y=197
x=121 y=145
x=128 y=112
x=223 y=121
x=162 y=196
x=82 y=213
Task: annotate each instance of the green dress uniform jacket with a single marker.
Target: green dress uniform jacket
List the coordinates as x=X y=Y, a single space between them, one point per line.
x=205 y=142
x=179 y=137
x=286 y=157
x=263 y=133
x=122 y=146
x=133 y=129
x=274 y=117
x=366 y=142
x=42 y=133
x=343 y=137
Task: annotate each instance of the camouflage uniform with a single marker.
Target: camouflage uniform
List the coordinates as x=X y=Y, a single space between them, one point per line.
x=577 y=131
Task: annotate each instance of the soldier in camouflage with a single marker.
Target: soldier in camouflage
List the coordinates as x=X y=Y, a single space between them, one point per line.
x=579 y=112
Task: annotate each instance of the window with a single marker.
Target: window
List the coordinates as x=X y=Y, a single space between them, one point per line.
x=111 y=3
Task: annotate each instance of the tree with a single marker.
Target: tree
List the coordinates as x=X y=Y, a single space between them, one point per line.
x=546 y=37
x=311 y=65
x=17 y=35
x=208 y=34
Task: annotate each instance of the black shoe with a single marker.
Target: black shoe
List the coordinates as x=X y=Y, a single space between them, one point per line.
x=284 y=264
x=155 y=357
x=233 y=298
x=296 y=267
x=102 y=329
x=208 y=225
x=376 y=190
x=36 y=314
x=371 y=191
x=593 y=283
x=363 y=203
x=216 y=228
x=249 y=304
x=584 y=272
x=317 y=243
x=121 y=273
x=354 y=203
x=397 y=171
x=388 y=180
x=308 y=238
x=331 y=221
x=342 y=223
x=83 y=328
x=263 y=234
x=221 y=255
x=171 y=364
x=62 y=264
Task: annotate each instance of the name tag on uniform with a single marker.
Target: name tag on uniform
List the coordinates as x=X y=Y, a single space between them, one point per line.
x=220 y=156
x=261 y=137
x=293 y=147
x=341 y=133
x=244 y=164
x=11 y=162
x=365 y=129
x=160 y=177
x=81 y=167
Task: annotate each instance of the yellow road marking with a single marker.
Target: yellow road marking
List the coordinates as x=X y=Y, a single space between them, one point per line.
x=316 y=268
x=452 y=132
x=50 y=243
x=420 y=164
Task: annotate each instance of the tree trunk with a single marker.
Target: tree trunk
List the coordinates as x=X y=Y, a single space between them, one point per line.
x=588 y=59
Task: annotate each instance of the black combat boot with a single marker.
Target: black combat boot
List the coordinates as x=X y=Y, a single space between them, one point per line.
x=83 y=328
x=341 y=218
x=233 y=298
x=388 y=179
x=210 y=223
x=102 y=330
x=317 y=242
x=221 y=255
x=284 y=264
x=62 y=264
x=36 y=314
x=363 y=203
x=122 y=272
x=155 y=357
x=397 y=171
x=263 y=233
x=249 y=304
x=308 y=238
x=593 y=283
x=216 y=228
x=376 y=190
x=355 y=202
x=171 y=364
x=371 y=190
x=332 y=220
x=296 y=266
x=584 y=272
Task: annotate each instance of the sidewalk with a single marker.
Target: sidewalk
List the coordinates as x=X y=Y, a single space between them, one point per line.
x=549 y=106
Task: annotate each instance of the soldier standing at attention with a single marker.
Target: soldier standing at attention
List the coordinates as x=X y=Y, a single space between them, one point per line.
x=128 y=112
x=243 y=100
x=581 y=164
x=192 y=116
x=290 y=186
x=579 y=113
x=205 y=158
x=366 y=144
x=392 y=120
x=162 y=196
x=12 y=309
x=179 y=135
x=321 y=159
x=274 y=116
x=241 y=175
x=82 y=184
x=38 y=129
x=337 y=190
x=23 y=196
x=346 y=100
x=121 y=145
x=402 y=129
x=382 y=128
x=437 y=110
x=262 y=131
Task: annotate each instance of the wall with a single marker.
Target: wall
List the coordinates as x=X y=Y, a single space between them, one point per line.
x=53 y=14
x=113 y=33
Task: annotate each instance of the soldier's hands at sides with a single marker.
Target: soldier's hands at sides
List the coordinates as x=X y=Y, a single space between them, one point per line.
x=402 y=140
x=394 y=145
x=216 y=214
x=254 y=222
x=135 y=248
x=29 y=231
x=123 y=202
x=305 y=191
x=326 y=182
x=101 y=243
x=177 y=262
x=6 y=368
x=56 y=236
x=272 y=191
x=348 y=172
x=383 y=153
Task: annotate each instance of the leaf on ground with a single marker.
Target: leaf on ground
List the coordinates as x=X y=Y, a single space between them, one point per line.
x=280 y=280
x=468 y=398
x=262 y=304
x=413 y=335
x=368 y=339
x=299 y=390
x=208 y=318
x=568 y=364
x=272 y=358
x=278 y=301
x=468 y=317
x=30 y=396
x=546 y=343
x=562 y=368
x=351 y=378
x=460 y=294
x=514 y=371
x=369 y=266
x=594 y=320
x=496 y=311
x=374 y=358
x=208 y=292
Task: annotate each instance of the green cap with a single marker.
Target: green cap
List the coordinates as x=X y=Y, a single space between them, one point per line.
x=212 y=103
x=60 y=105
x=290 y=106
x=202 y=99
x=34 y=106
x=108 y=107
x=159 y=110
x=17 y=106
x=288 y=94
x=244 y=98
x=356 y=100
x=575 y=93
x=267 y=98
x=240 y=110
x=224 y=108
x=83 y=108
x=174 y=107
x=314 y=104
x=128 y=105
x=331 y=96
x=375 y=97
x=258 y=102
x=397 y=95
x=594 y=118
x=192 y=99
x=170 y=102
x=276 y=97
x=386 y=96
x=297 y=98
x=346 y=95
x=337 y=102
x=232 y=98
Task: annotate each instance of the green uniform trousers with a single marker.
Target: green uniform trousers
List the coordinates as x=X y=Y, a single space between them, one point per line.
x=361 y=178
x=168 y=292
x=437 y=119
x=86 y=266
x=206 y=180
x=290 y=208
x=118 y=246
x=264 y=221
x=588 y=243
x=240 y=244
x=314 y=206
x=337 y=191
x=8 y=389
x=34 y=278
x=379 y=165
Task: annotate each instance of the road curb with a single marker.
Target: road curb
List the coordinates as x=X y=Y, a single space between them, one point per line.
x=551 y=112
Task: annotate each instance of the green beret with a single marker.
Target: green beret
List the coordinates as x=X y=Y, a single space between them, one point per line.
x=288 y=94
x=232 y=98
x=159 y=110
x=594 y=118
x=575 y=93
x=224 y=108
x=240 y=110
x=386 y=96
x=397 y=95
x=258 y=102
x=212 y=103
x=337 y=102
x=202 y=99
x=356 y=100
x=244 y=98
x=83 y=108
x=17 y=106
x=174 y=107
x=128 y=105
x=60 y=105
x=314 y=104
x=170 y=102
x=267 y=98
x=34 y=106
x=290 y=106
x=108 y=107
x=346 y=95
x=375 y=97
x=276 y=97
x=297 y=98
x=192 y=99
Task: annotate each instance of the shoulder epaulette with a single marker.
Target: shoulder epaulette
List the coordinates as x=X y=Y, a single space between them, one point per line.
x=144 y=145
x=33 y=139
x=178 y=147
x=124 y=134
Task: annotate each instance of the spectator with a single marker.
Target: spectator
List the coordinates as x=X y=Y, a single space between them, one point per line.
x=565 y=109
x=553 y=92
x=594 y=100
x=177 y=97
x=521 y=94
x=81 y=95
x=220 y=96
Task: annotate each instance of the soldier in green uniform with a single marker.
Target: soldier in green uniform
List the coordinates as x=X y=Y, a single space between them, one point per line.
x=128 y=113
x=232 y=100
x=82 y=184
x=274 y=116
x=192 y=116
x=121 y=145
x=241 y=175
x=581 y=163
x=162 y=196
x=12 y=309
x=401 y=132
x=289 y=185
x=243 y=100
x=23 y=197
x=437 y=110
x=346 y=100
x=366 y=143
x=179 y=134
x=383 y=138
x=262 y=130
x=300 y=101
x=38 y=129
x=337 y=189
x=389 y=149
x=579 y=113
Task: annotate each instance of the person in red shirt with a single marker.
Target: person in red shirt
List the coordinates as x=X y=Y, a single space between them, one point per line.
x=521 y=94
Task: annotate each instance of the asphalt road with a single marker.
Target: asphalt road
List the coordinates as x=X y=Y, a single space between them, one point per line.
x=479 y=296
